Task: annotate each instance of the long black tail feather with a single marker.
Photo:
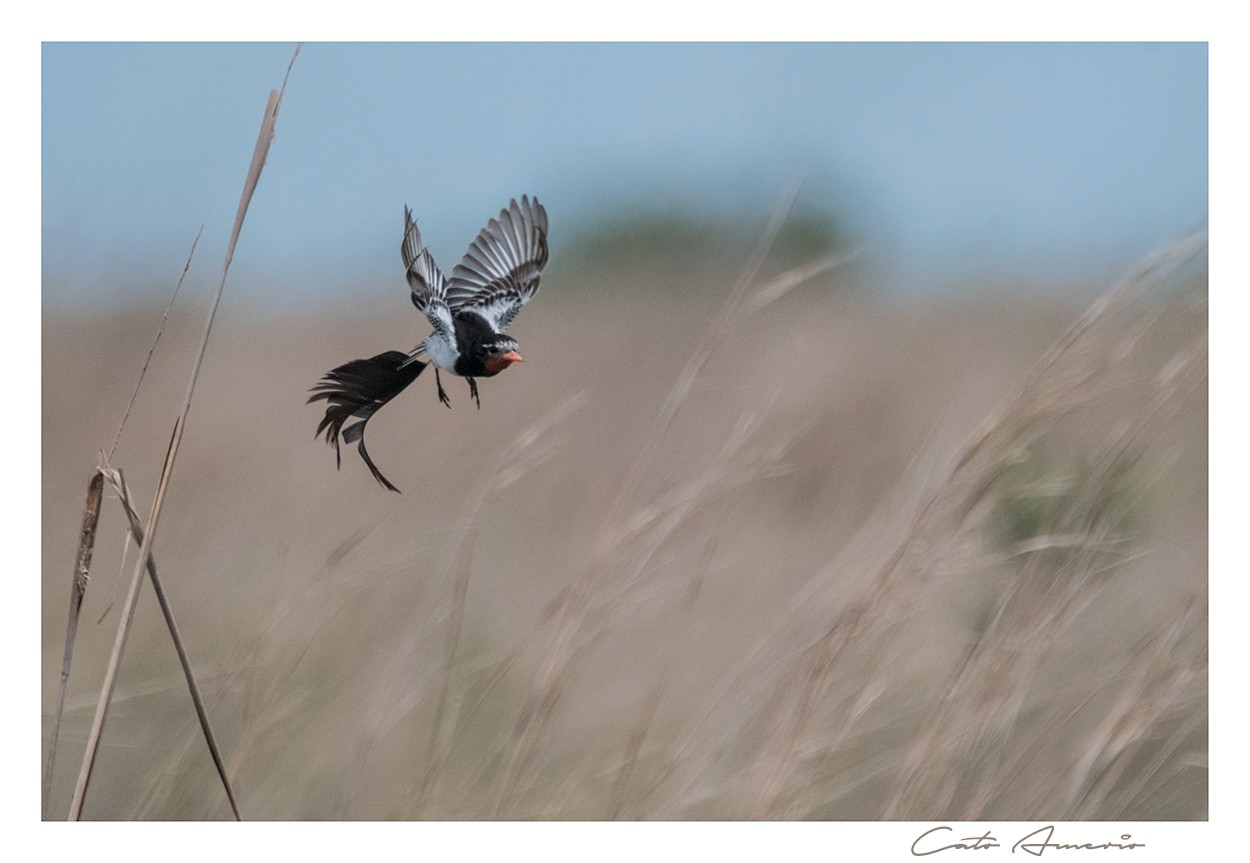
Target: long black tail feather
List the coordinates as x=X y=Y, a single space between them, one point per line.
x=358 y=389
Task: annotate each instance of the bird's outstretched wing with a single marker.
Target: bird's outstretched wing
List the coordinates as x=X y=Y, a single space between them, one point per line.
x=358 y=389
x=499 y=273
x=429 y=289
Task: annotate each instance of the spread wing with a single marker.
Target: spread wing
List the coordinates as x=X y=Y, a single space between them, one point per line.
x=499 y=273
x=429 y=288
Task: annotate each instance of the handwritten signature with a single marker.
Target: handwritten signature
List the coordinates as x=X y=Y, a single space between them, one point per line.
x=934 y=840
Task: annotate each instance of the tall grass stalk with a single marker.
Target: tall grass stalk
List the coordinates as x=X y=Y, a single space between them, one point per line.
x=127 y=615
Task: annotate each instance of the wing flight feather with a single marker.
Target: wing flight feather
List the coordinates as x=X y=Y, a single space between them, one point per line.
x=429 y=288
x=500 y=272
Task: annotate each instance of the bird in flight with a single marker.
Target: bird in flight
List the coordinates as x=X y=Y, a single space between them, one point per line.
x=469 y=314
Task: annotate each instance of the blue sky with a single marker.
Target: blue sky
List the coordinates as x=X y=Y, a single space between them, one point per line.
x=1052 y=162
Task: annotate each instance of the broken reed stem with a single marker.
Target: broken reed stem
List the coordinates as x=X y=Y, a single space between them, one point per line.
x=123 y=631
x=119 y=645
x=119 y=485
x=77 y=590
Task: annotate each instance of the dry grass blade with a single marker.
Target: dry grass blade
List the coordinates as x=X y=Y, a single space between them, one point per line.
x=1170 y=258
x=145 y=551
x=159 y=332
x=77 y=590
x=259 y=155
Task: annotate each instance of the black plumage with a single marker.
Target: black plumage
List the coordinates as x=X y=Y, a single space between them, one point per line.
x=357 y=389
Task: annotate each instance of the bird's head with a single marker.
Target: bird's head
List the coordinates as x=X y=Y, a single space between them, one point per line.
x=500 y=353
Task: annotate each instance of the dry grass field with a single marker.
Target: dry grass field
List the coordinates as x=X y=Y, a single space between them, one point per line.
x=833 y=556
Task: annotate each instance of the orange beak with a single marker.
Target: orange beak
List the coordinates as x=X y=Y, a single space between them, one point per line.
x=512 y=357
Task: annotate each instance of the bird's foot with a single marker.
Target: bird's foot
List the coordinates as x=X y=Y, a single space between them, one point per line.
x=473 y=392
x=442 y=393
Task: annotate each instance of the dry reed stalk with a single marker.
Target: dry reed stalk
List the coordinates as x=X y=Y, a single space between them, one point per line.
x=93 y=740
x=77 y=590
x=119 y=644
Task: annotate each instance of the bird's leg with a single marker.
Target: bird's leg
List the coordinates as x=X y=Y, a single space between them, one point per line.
x=473 y=392
x=442 y=393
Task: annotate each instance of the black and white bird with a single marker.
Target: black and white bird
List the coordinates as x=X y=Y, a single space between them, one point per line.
x=469 y=314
